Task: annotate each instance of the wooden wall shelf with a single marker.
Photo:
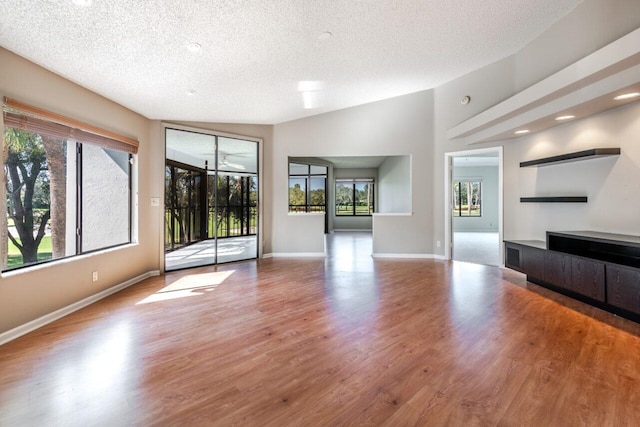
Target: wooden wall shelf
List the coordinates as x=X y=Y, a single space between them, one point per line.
x=555 y=199
x=593 y=153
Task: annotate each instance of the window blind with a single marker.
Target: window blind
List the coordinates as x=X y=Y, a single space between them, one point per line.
x=43 y=122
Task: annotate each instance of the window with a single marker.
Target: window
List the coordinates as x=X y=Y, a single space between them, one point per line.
x=237 y=206
x=354 y=197
x=68 y=191
x=467 y=198
x=307 y=188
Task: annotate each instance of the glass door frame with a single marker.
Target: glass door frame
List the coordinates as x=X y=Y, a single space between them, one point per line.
x=260 y=182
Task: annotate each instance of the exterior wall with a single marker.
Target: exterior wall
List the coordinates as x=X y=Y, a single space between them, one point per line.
x=32 y=292
x=489 y=219
x=105 y=190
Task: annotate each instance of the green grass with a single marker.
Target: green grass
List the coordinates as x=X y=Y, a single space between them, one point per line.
x=14 y=257
x=348 y=210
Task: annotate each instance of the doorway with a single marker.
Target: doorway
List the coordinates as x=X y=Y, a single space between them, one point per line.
x=211 y=198
x=473 y=200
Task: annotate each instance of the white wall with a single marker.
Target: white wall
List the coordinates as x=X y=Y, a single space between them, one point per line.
x=570 y=39
x=488 y=221
x=612 y=184
x=394 y=186
x=399 y=126
x=353 y=222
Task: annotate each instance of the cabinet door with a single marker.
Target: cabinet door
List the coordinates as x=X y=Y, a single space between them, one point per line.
x=513 y=257
x=623 y=287
x=557 y=269
x=587 y=278
x=533 y=262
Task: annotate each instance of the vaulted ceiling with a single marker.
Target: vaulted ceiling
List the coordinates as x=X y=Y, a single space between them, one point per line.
x=263 y=61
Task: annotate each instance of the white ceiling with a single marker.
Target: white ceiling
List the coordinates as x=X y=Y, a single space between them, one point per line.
x=254 y=53
x=192 y=148
x=356 y=162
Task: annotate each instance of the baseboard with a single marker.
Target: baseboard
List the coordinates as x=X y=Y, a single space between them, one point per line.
x=369 y=230
x=407 y=256
x=31 y=326
x=296 y=255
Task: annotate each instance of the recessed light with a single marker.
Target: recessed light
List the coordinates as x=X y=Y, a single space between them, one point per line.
x=325 y=36
x=522 y=131
x=191 y=92
x=627 y=96
x=193 y=47
x=310 y=85
x=567 y=117
x=83 y=3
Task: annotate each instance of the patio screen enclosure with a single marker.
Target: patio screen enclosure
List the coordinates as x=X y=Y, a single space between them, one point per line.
x=211 y=199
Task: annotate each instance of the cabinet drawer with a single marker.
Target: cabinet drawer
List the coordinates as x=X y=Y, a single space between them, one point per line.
x=557 y=269
x=623 y=288
x=587 y=278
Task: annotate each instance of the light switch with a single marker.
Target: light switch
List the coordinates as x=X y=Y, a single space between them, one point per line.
x=155 y=201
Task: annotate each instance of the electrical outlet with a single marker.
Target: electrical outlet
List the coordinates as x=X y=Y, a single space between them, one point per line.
x=438 y=244
x=95 y=276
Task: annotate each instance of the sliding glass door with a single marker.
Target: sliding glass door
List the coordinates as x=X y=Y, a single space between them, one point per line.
x=211 y=199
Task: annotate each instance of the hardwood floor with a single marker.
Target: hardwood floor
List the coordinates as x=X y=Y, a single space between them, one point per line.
x=342 y=341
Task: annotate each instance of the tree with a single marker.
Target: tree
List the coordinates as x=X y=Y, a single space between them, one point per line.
x=35 y=180
x=297 y=196
x=25 y=164
x=56 y=156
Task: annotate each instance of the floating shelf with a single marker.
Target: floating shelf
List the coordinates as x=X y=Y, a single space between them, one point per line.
x=593 y=153
x=557 y=199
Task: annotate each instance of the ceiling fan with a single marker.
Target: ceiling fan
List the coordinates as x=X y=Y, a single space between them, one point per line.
x=225 y=162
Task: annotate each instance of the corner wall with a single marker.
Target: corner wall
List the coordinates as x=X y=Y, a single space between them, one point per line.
x=394 y=189
x=32 y=292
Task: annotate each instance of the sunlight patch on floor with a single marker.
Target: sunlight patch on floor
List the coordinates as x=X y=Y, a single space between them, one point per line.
x=189 y=286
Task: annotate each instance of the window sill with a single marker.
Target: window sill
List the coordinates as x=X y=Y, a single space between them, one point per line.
x=66 y=260
x=394 y=214
x=305 y=213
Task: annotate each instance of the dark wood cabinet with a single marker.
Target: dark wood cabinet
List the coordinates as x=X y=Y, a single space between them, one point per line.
x=513 y=257
x=587 y=278
x=557 y=269
x=623 y=287
x=533 y=262
x=601 y=269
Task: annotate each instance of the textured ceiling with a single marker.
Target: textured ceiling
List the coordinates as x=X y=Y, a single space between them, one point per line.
x=254 y=53
x=356 y=162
